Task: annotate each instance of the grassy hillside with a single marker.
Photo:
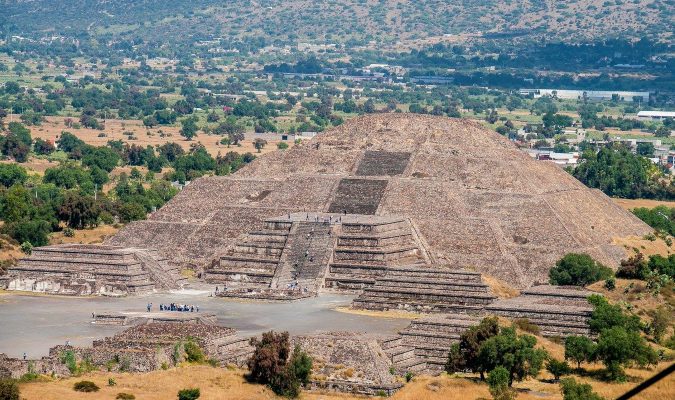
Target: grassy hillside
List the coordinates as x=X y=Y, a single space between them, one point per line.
x=341 y=21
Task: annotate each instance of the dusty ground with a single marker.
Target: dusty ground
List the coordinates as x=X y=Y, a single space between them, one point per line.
x=216 y=383
x=634 y=291
x=630 y=204
x=631 y=244
x=85 y=236
x=114 y=130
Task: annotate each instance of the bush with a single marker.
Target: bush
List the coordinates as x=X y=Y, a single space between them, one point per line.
x=270 y=364
x=125 y=396
x=189 y=394
x=282 y=145
x=68 y=232
x=498 y=381
x=578 y=270
x=9 y=389
x=558 y=368
x=112 y=382
x=610 y=284
x=193 y=353
x=464 y=355
x=27 y=248
x=524 y=324
x=572 y=390
x=85 y=386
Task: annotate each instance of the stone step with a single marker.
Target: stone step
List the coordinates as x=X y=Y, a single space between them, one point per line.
x=429 y=284
x=416 y=306
x=360 y=269
x=79 y=261
x=458 y=297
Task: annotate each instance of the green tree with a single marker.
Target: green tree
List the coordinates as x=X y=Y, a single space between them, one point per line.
x=189 y=128
x=558 y=368
x=259 y=144
x=515 y=353
x=78 y=211
x=102 y=157
x=572 y=390
x=579 y=349
x=660 y=323
x=606 y=316
x=618 y=347
x=464 y=355
x=579 y=270
x=11 y=174
x=498 y=382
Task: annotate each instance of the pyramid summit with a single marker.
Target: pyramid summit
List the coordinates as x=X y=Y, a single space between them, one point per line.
x=450 y=194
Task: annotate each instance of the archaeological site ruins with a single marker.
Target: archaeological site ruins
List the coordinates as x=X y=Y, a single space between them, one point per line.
x=406 y=213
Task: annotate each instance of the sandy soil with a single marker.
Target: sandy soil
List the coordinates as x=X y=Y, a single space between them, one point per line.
x=644 y=246
x=114 y=130
x=85 y=236
x=630 y=204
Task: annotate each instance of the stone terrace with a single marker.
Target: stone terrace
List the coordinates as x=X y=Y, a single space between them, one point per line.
x=348 y=362
x=426 y=289
x=93 y=269
x=423 y=346
x=557 y=310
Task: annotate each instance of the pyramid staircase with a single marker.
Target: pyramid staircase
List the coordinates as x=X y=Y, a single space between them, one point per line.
x=252 y=262
x=367 y=247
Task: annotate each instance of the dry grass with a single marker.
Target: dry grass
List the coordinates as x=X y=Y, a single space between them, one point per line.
x=84 y=236
x=629 y=204
x=380 y=314
x=38 y=165
x=500 y=288
x=644 y=246
x=217 y=383
x=115 y=128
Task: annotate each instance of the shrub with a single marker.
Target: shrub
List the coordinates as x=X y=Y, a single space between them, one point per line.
x=189 y=394
x=524 y=324
x=572 y=390
x=578 y=270
x=282 y=145
x=112 y=382
x=610 y=284
x=9 y=389
x=193 y=353
x=558 y=368
x=68 y=232
x=660 y=323
x=125 y=396
x=85 y=386
x=498 y=381
x=463 y=355
x=27 y=248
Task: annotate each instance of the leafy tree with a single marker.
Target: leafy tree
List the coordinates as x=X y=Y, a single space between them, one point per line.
x=11 y=174
x=660 y=218
x=660 y=323
x=33 y=231
x=171 y=151
x=70 y=143
x=572 y=390
x=579 y=270
x=464 y=355
x=498 y=382
x=579 y=349
x=606 y=316
x=43 y=147
x=259 y=144
x=618 y=347
x=79 y=211
x=514 y=353
x=270 y=364
x=102 y=157
x=645 y=149
x=189 y=128
x=558 y=368
x=662 y=131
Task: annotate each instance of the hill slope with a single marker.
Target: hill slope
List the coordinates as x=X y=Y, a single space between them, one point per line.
x=337 y=21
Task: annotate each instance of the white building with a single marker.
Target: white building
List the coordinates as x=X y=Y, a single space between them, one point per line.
x=588 y=94
x=655 y=115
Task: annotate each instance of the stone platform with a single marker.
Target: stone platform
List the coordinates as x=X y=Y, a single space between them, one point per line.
x=556 y=310
x=423 y=346
x=426 y=289
x=76 y=269
x=127 y=318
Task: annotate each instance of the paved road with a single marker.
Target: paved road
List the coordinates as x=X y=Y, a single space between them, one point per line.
x=33 y=324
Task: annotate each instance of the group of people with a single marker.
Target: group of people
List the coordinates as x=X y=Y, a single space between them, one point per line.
x=178 y=307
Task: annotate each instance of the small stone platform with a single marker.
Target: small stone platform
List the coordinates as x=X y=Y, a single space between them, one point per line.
x=556 y=310
x=128 y=318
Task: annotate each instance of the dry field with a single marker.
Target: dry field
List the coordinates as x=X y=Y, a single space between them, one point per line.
x=85 y=236
x=217 y=383
x=114 y=130
x=629 y=204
